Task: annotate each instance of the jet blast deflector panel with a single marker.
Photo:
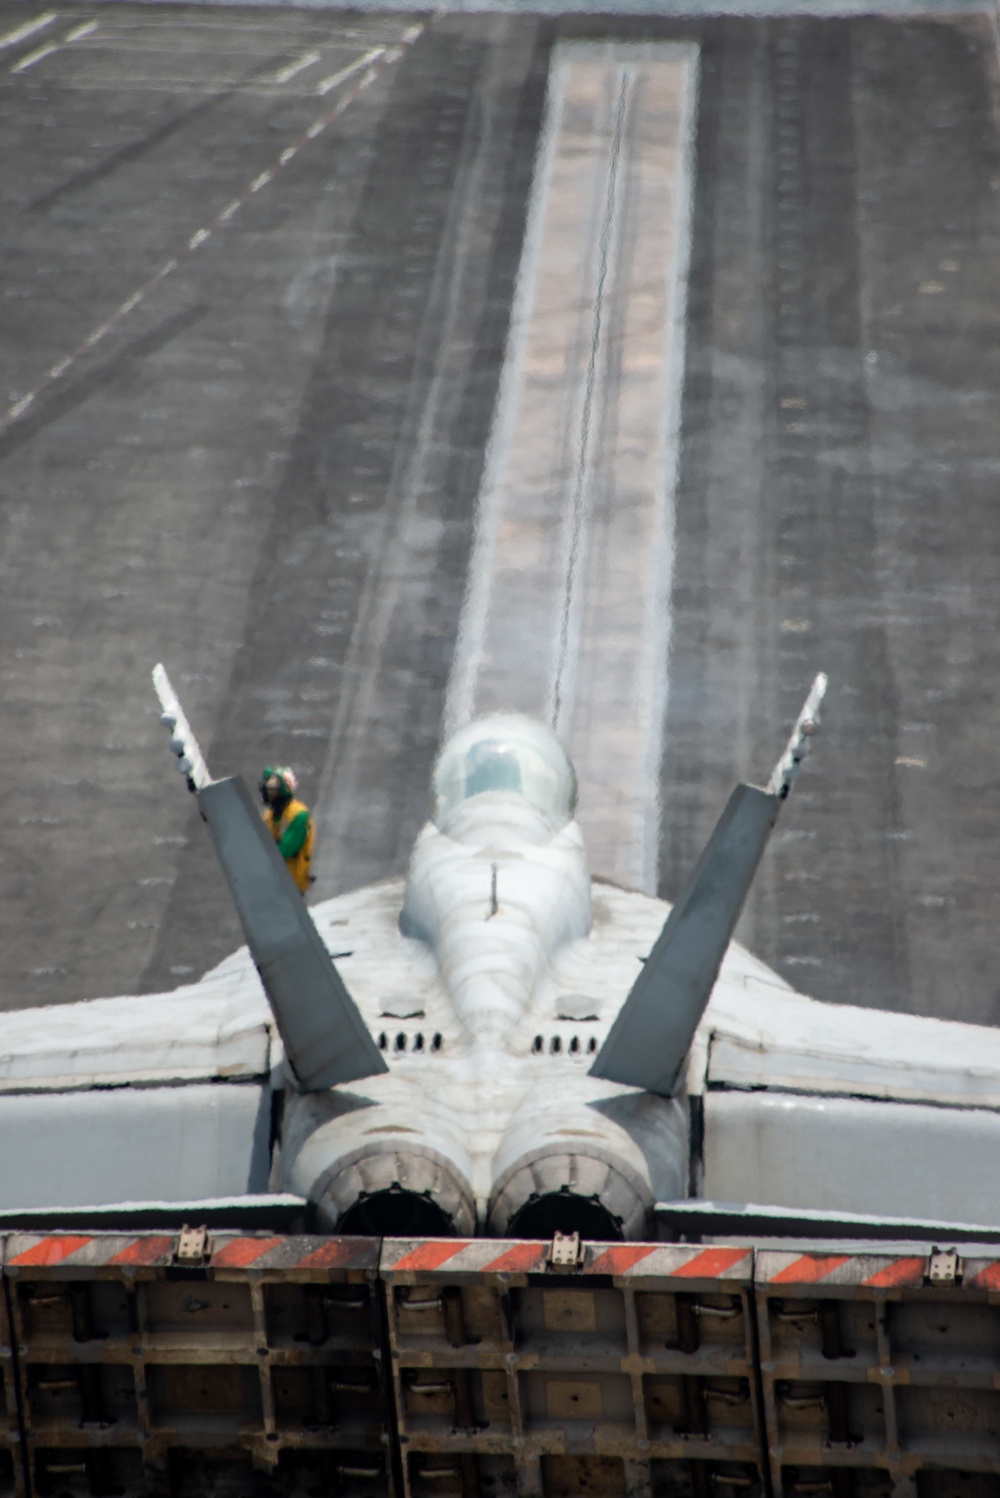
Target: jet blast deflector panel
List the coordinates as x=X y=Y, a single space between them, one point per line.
x=326 y=1040
x=225 y=1364
x=649 y=1041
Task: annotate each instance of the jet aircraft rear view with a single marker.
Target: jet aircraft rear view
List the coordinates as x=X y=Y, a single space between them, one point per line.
x=531 y=1099
x=498 y=1043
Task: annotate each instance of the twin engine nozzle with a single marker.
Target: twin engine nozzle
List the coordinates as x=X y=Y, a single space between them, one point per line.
x=401 y=1164
x=498 y=894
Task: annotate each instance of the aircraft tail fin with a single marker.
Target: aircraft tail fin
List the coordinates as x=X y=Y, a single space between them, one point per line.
x=190 y=760
x=326 y=1040
x=648 y=1043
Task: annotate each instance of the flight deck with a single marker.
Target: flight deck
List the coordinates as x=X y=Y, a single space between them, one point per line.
x=282 y=343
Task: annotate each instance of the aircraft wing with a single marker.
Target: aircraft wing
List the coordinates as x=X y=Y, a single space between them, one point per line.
x=158 y=1097
x=798 y=1104
x=807 y=1104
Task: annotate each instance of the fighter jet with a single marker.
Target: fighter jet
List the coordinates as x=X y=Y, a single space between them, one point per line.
x=499 y=1043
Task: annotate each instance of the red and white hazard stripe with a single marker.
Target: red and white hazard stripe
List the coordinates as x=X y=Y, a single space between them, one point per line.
x=76 y=1252
x=864 y=1271
x=65 y=1254
x=451 y=1256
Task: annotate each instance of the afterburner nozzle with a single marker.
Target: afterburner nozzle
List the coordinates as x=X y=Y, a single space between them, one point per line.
x=591 y=1164
x=405 y=1175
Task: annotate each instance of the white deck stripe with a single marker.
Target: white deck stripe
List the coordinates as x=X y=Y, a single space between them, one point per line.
x=326 y=84
x=567 y=615
x=17 y=409
x=286 y=74
x=32 y=58
x=21 y=33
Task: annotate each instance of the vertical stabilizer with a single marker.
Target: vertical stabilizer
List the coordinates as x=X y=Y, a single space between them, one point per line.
x=649 y=1041
x=326 y=1040
x=190 y=760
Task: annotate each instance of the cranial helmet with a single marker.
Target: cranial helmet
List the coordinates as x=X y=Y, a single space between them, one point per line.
x=277 y=783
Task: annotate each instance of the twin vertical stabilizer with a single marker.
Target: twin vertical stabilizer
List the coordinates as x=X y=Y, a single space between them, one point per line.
x=326 y=1040
x=649 y=1041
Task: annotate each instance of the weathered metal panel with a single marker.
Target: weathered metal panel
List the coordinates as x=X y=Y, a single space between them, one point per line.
x=632 y=1373
x=878 y=1377
x=11 y=1455
x=235 y=1365
x=251 y=1368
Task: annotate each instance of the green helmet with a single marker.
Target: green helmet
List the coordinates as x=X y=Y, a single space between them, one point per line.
x=277 y=783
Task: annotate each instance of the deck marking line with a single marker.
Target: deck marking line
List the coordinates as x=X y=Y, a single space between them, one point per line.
x=584 y=457
x=567 y=610
x=286 y=74
x=402 y=521
x=79 y=32
x=33 y=57
x=326 y=84
x=21 y=33
x=17 y=409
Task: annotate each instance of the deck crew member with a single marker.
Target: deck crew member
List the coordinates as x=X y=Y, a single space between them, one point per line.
x=289 y=821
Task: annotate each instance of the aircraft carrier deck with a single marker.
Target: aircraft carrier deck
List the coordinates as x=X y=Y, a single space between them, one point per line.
x=259 y=272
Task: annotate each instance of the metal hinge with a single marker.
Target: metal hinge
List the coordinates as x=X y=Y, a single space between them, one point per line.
x=192 y=1245
x=944 y=1266
x=565 y=1251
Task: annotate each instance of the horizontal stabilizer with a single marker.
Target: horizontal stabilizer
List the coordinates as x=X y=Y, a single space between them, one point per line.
x=326 y=1040
x=649 y=1041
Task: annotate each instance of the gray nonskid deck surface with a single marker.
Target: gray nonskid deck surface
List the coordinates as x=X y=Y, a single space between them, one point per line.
x=266 y=474
x=608 y=9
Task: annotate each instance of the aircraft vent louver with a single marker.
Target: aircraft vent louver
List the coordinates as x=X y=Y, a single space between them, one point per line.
x=561 y=1045
x=416 y=1044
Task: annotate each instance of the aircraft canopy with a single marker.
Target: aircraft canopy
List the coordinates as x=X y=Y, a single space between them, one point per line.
x=505 y=752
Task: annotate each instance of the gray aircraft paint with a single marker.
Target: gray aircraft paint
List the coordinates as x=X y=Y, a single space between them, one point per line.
x=325 y=1039
x=134 y=1143
x=324 y=1036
